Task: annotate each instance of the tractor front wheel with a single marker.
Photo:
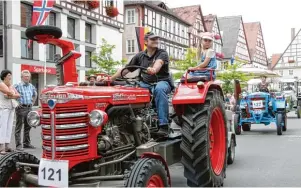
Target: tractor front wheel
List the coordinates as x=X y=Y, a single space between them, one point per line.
x=237 y=127
x=246 y=127
x=279 y=122
x=204 y=142
x=10 y=175
x=147 y=172
x=284 y=128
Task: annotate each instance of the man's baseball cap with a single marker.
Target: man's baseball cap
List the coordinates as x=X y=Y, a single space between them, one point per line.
x=150 y=35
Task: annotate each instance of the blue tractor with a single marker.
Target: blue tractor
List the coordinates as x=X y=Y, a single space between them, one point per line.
x=260 y=108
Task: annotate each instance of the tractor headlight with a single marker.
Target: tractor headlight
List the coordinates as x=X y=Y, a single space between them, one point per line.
x=97 y=118
x=33 y=119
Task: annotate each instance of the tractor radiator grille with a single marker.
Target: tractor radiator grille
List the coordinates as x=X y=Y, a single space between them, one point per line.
x=70 y=133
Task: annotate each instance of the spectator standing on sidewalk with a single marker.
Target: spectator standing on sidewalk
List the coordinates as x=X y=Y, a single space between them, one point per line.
x=28 y=97
x=8 y=103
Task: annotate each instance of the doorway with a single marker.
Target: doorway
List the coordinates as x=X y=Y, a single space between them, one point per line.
x=35 y=83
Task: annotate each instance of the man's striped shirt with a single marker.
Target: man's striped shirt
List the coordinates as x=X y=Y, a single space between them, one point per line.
x=27 y=92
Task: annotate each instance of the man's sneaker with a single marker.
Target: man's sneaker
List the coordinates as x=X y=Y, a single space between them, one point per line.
x=29 y=146
x=19 y=148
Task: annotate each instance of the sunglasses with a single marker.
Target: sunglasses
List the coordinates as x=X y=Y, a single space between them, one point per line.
x=154 y=39
x=207 y=40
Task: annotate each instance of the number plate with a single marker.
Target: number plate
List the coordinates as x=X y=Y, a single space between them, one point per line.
x=53 y=173
x=257 y=104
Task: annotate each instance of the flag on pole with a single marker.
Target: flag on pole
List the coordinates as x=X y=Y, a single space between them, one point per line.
x=140 y=33
x=40 y=11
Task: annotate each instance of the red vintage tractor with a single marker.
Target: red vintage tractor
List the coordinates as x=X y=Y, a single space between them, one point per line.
x=107 y=132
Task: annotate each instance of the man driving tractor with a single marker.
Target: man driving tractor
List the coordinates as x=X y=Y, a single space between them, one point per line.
x=263 y=86
x=157 y=79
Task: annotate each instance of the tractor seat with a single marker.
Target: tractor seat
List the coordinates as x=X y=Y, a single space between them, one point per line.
x=195 y=79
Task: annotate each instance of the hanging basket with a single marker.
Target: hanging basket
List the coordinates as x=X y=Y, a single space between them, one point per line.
x=217 y=37
x=93 y=4
x=112 y=11
x=291 y=61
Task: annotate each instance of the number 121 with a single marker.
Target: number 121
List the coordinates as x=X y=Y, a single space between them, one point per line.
x=51 y=172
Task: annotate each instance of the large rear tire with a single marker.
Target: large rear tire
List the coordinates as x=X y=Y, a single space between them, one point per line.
x=10 y=176
x=147 y=172
x=204 y=142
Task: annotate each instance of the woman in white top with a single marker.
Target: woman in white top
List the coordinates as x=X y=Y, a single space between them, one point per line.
x=8 y=103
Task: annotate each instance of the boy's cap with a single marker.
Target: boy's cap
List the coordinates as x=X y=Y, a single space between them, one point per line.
x=150 y=35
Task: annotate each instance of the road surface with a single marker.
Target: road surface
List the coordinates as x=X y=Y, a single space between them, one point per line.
x=262 y=158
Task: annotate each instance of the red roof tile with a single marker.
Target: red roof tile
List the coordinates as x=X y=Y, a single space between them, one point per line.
x=209 y=21
x=251 y=34
x=275 y=59
x=189 y=13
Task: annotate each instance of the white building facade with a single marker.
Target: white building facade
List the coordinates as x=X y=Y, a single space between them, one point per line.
x=83 y=26
x=158 y=18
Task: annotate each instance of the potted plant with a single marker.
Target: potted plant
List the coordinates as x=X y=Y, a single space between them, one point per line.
x=112 y=11
x=217 y=37
x=93 y=4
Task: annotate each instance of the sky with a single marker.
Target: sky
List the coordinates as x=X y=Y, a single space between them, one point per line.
x=277 y=17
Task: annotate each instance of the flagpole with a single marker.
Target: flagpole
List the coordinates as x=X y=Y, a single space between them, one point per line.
x=45 y=65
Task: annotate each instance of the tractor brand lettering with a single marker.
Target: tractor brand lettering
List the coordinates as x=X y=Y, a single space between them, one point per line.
x=56 y=96
x=123 y=97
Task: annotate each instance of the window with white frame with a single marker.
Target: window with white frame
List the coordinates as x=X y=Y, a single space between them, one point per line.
x=130 y=46
x=130 y=15
x=291 y=72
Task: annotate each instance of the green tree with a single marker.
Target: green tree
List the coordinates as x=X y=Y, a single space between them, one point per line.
x=104 y=60
x=230 y=74
x=183 y=65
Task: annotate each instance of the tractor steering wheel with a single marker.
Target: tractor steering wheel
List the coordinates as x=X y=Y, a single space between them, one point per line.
x=135 y=79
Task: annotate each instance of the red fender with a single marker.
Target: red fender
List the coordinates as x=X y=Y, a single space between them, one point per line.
x=158 y=157
x=190 y=93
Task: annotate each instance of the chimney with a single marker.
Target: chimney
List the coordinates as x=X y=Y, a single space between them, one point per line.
x=292 y=34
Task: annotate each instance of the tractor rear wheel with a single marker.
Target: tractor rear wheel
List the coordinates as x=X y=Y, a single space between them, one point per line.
x=204 y=142
x=279 y=121
x=237 y=127
x=246 y=127
x=10 y=175
x=147 y=172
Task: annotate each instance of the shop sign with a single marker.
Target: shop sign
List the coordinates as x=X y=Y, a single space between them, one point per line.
x=38 y=69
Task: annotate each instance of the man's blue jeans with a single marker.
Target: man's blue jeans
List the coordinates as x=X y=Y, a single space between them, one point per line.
x=160 y=93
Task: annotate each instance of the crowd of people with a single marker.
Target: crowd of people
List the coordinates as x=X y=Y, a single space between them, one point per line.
x=15 y=100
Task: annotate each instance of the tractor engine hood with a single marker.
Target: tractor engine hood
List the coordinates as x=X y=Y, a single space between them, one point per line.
x=258 y=95
x=110 y=94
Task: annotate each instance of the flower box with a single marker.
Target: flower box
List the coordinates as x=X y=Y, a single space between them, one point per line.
x=93 y=4
x=112 y=11
x=217 y=37
x=291 y=61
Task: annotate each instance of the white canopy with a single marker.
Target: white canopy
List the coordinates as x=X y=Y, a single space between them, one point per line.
x=254 y=81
